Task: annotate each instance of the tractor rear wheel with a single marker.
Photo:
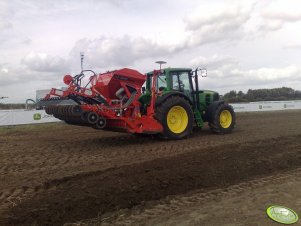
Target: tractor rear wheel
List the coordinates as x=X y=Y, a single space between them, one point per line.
x=176 y=116
x=222 y=119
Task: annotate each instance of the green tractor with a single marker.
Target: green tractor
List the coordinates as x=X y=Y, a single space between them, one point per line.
x=180 y=104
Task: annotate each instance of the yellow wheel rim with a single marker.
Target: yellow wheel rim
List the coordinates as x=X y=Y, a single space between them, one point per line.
x=225 y=119
x=177 y=119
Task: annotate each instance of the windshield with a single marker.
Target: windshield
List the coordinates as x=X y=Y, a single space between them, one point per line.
x=161 y=82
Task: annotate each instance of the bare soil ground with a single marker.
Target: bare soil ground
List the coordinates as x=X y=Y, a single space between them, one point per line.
x=58 y=174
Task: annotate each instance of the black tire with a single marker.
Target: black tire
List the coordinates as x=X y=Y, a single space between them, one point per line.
x=217 y=125
x=162 y=111
x=92 y=117
x=101 y=123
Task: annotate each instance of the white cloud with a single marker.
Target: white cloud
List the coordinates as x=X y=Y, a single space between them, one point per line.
x=27 y=80
x=8 y=77
x=110 y=51
x=42 y=62
x=243 y=79
x=4 y=70
x=271 y=25
x=214 y=62
x=225 y=73
x=35 y=68
x=278 y=13
x=266 y=75
x=292 y=47
x=5 y=13
x=224 y=24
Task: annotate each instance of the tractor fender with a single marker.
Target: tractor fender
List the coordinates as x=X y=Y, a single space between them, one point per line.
x=211 y=108
x=161 y=99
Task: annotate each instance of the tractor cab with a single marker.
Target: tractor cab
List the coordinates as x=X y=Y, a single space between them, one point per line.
x=170 y=79
x=183 y=81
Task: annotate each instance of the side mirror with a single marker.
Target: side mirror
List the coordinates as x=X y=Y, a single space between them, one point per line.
x=203 y=72
x=143 y=89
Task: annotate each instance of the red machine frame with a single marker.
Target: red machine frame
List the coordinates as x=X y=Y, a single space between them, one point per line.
x=117 y=117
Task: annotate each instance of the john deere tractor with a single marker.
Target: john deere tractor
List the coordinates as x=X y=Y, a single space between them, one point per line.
x=170 y=104
x=180 y=104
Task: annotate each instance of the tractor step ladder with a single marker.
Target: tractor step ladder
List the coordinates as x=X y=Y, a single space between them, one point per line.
x=198 y=118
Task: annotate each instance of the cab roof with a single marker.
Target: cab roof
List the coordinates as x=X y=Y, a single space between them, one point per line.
x=172 y=69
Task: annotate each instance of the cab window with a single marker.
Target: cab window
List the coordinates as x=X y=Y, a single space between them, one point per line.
x=161 y=82
x=184 y=81
x=180 y=81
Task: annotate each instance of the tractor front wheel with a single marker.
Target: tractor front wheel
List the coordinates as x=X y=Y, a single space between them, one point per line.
x=222 y=119
x=176 y=116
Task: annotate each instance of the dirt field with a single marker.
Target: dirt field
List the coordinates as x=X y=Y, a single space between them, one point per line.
x=57 y=174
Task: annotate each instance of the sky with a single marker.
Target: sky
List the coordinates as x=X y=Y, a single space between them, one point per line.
x=242 y=44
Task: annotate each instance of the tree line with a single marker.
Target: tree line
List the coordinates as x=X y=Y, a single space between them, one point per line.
x=252 y=95
x=15 y=106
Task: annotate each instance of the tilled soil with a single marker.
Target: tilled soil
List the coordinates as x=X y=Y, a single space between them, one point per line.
x=242 y=204
x=55 y=174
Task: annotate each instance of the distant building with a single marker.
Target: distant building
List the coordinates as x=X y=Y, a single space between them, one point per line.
x=41 y=93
